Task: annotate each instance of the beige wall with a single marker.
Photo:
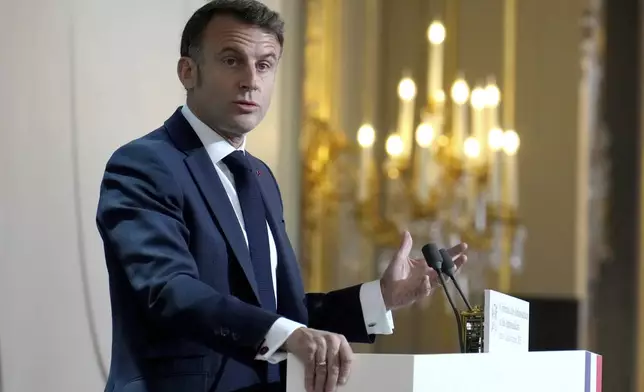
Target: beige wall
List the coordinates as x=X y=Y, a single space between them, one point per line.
x=78 y=79
x=548 y=73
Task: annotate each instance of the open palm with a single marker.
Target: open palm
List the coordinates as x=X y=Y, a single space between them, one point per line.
x=407 y=280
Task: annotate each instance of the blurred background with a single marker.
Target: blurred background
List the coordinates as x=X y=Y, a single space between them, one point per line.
x=513 y=125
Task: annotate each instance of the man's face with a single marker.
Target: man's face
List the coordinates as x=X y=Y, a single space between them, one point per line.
x=231 y=81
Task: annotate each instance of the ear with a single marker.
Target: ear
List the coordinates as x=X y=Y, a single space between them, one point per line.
x=188 y=72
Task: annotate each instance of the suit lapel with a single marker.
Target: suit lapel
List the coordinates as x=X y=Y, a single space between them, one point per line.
x=206 y=177
x=213 y=191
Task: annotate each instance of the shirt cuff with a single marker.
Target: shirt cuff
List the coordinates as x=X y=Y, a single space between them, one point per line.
x=377 y=318
x=275 y=338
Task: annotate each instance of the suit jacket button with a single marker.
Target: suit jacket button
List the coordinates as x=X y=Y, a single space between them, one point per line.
x=224 y=332
x=263 y=350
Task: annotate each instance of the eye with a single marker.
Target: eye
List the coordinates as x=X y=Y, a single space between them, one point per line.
x=230 y=61
x=264 y=66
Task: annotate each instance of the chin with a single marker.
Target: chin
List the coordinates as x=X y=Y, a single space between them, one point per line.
x=244 y=124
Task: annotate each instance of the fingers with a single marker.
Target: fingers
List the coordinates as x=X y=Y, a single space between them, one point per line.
x=321 y=364
x=426 y=286
x=422 y=289
x=458 y=255
x=326 y=356
x=346 y=359
x=309 y=371
x=333 y=362
x=457 y=250
x=405 y=246
x=422 y=264
x=330 y=362
x=339 y=357
x=458 y=263
x=425 y=270
x=413 y=289
x=434 y=281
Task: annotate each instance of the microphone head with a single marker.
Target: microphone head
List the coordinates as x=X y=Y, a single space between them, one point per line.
x=432 y=256
x=448 y=264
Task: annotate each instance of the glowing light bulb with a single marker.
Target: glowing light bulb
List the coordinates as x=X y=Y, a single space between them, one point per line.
x=492 y=95
x=366 y=136
x=511 y=142
x=478 y=99
x=436 y=33
x=495 y=139
x=394 y=145
x=460 y=92
x=439 y=96
x=407 y=89
x=424 y=135
x=471 y=148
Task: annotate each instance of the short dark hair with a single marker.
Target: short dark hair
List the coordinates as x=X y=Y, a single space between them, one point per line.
x=248 y=11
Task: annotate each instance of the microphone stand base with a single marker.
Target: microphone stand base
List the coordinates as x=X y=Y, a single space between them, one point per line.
x=472 y=322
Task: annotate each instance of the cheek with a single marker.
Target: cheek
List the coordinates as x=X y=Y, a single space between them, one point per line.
x=213 y=87
x=268 y=95
x=267 y=90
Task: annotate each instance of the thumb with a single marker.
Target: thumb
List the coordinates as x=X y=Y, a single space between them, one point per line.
x=405 y=246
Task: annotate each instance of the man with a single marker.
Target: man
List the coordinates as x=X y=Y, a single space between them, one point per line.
x=205 y=288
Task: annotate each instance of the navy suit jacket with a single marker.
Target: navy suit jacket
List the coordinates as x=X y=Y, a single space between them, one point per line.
x=185 y=310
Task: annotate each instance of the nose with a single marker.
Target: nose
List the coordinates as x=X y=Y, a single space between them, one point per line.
x=249 y=79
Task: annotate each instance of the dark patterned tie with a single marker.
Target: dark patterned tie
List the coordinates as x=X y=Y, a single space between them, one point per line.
x=252 y=206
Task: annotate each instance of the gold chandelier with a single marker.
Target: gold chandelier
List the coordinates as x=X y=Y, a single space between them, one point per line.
x=448 y=173
x=450 y=177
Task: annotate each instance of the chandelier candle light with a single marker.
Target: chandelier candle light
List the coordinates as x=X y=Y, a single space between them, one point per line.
x=468 y=154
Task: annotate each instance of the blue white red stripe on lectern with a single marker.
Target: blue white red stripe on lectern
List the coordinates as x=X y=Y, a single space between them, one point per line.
x=593 y=373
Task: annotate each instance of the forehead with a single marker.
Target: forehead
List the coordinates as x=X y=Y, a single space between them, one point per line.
x=228 y=32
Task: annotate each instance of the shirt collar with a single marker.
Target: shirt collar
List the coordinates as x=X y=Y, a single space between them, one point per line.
x=217 y=147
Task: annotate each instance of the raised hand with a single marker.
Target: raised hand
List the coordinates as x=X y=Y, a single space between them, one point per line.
x=407 y=280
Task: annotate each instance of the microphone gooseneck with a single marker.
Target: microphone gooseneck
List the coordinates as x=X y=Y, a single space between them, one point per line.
x=448 y=269
x=435 y=261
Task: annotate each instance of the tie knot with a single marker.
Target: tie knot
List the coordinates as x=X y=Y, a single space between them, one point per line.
x=237 y=162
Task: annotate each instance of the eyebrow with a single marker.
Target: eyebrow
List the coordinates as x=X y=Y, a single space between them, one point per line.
x=238 y=52
x=230 y=49
x=270 y=56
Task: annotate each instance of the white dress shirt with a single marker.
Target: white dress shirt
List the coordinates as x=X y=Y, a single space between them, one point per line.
x=378 y=320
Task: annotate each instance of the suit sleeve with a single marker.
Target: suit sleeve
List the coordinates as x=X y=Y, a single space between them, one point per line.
x=341 y=311
x=376 y=318
x=141 y=222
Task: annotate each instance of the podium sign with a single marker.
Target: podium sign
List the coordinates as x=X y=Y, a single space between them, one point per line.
x=506 y=323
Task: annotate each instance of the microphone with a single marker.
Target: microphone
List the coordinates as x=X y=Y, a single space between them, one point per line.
x=448 y=269
x=435 y=261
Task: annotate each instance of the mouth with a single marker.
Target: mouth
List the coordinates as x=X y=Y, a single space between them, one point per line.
x=246 y=106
